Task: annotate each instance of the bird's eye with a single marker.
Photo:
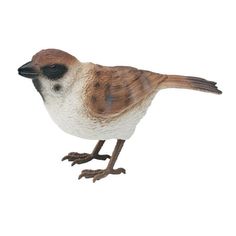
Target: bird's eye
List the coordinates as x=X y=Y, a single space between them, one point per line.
x=54 y=71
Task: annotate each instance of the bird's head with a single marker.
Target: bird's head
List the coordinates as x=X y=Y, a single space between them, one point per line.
x=52 y=72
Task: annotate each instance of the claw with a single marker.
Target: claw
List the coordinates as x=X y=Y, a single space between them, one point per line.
x=64 y=158
x=74 y=162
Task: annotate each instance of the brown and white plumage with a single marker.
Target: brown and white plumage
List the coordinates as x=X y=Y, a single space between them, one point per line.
x=99 y=102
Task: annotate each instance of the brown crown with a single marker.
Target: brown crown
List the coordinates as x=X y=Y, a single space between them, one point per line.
x=53 y=56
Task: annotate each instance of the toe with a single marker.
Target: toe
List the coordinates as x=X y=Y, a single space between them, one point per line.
x=89 y=173
x=73 y=153
x=118 y=171
x=73 y=156
x=82 y=159
x=102 y=157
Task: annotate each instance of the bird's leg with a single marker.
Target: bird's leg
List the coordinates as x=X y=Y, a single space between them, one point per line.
x=99 y=174
x=79 y=158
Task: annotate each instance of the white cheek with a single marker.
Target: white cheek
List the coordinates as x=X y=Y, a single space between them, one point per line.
x=48 y=86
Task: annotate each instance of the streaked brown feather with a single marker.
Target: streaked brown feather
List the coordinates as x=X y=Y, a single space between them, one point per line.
x=113 y=90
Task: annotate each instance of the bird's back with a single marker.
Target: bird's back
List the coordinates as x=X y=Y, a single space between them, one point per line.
x=111 y=91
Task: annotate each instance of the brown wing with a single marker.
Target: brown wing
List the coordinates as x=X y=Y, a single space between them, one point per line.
x=113 y=90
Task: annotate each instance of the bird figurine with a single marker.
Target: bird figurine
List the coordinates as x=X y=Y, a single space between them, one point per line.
x=99 y=102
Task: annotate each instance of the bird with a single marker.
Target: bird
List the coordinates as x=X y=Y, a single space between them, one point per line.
x=97 y=102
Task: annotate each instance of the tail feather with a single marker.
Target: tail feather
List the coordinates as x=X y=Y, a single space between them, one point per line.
x=188 y=82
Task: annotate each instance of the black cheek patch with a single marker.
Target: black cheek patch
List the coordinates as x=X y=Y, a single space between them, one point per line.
x=57 y=87
x=54 y=72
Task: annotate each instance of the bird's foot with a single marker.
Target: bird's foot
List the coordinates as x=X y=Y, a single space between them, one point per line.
x=79 y=158
x=99 y=174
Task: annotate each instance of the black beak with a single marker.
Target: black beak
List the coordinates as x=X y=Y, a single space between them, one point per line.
x=28 y=71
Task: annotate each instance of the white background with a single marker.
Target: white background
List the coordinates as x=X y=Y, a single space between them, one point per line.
x=181 y=161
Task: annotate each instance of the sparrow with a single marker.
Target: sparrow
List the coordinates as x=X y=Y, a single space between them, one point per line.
x=98 y=102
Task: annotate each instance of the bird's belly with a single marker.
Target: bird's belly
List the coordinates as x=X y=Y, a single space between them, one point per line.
x=78 y=124
x=75 y=121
